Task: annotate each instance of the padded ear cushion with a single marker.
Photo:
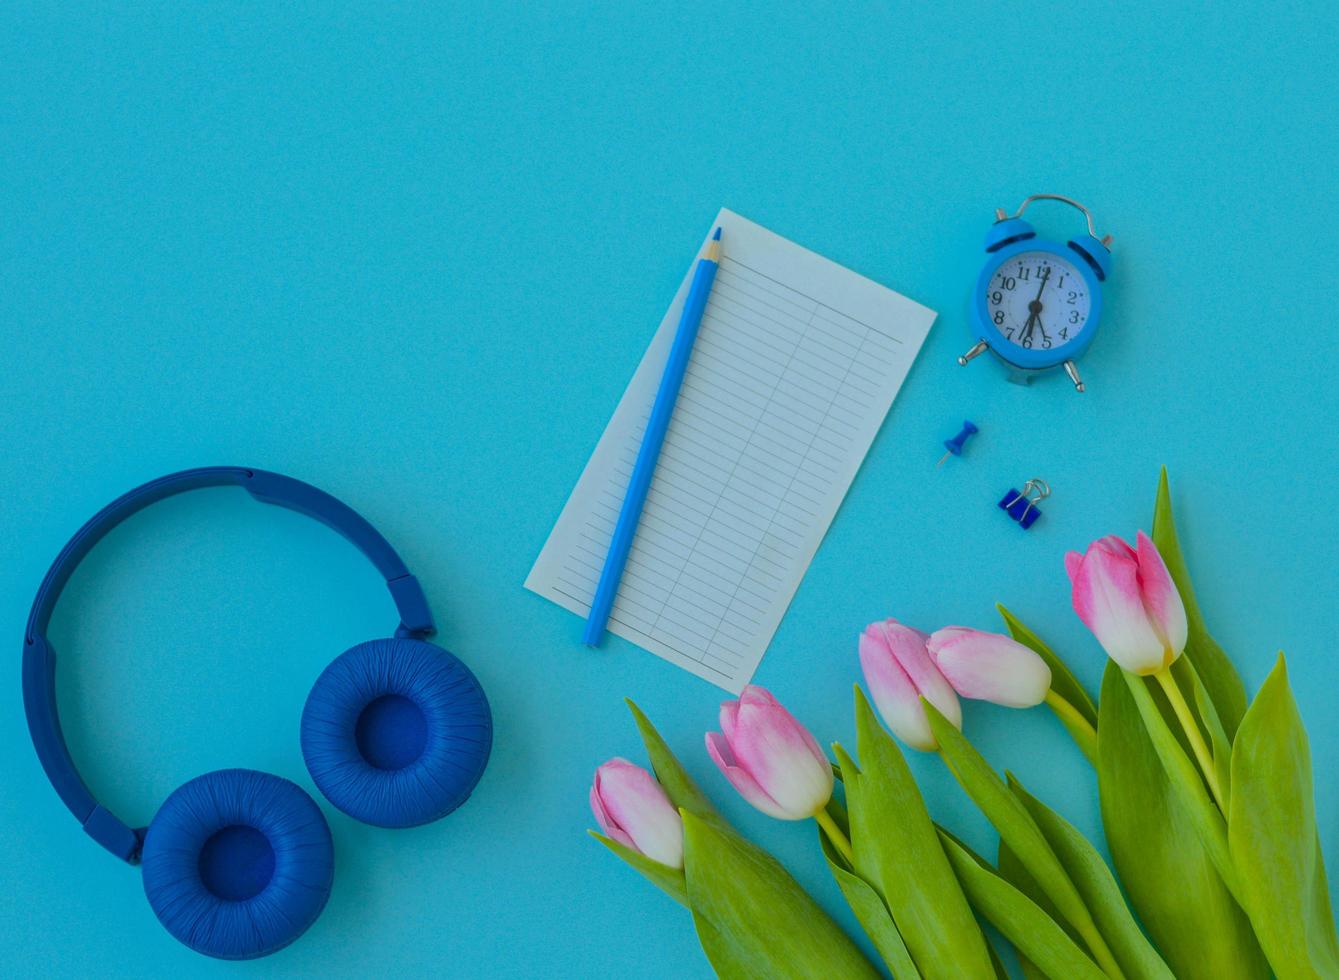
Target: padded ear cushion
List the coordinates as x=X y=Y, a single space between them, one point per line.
x=238 y=863
x=396 y=732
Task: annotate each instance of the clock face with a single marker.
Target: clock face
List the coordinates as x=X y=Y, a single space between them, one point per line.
x=1038 y=301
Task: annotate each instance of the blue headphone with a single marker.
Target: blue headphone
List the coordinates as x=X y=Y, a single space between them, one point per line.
x=395 y=733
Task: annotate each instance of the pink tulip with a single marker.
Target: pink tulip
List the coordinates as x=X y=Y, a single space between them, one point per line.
x=770 y=758
x=1127 y=598
x=632 y=808
x=989 y=667
x=899 y=672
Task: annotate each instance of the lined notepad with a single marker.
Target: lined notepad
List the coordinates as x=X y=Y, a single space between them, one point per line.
x=797 y=362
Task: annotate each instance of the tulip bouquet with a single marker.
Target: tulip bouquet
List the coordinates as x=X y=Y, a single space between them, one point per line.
x=1206 y=805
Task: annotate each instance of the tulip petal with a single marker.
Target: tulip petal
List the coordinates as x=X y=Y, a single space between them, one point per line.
x=634 y=803
x=719 y=750
x=908 y=646
x=894 y=694
x=1114 y=546
x=607 y=825
x=729 y=715
x=780 y=754
x=1106 y=597
x=756 y=694
x=1163 y=602
x=990 y=667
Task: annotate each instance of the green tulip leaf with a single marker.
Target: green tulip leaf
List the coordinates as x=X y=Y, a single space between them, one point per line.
x=1064 y=684
x=1220 y=678
x=667 y=879
x=670 y=773
x=1015 y=825
x=873 y=915
x=1162 y=862
x=1272 y=835
x=1035 y=935
x=1011 y=870
x=1184 y=671
x=840 y=814
x=721 y=954
x=897 y=852
x=761 y=922
x=1095 y=882
x=1186 y=783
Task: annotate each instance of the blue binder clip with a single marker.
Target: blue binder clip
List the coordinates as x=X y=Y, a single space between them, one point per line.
x=1022 y=507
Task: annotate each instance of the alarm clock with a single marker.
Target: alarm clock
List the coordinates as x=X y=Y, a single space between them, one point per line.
x=1038 y=303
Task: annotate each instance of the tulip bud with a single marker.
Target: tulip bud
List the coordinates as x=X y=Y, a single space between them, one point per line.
x=989 y=666
x=632 y=808
x=899 y=672
x=1129 y=601
x=770 y=758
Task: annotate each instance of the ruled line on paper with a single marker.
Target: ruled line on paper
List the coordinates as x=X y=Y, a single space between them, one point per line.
x=796 y=363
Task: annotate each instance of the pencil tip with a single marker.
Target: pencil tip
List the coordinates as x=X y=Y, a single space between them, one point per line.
x=716 y=235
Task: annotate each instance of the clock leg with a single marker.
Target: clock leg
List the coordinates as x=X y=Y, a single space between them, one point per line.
x=1072 y=370
x=976 y=351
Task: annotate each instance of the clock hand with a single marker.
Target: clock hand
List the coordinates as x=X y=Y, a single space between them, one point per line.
x=1042 y=287
x=1035 y=309
x=1027 y=328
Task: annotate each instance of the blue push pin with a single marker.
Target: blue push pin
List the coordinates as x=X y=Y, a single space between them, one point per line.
x=954 y=445
x=1022 y=507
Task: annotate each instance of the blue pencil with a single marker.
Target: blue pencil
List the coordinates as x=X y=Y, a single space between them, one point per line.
x=625 y=529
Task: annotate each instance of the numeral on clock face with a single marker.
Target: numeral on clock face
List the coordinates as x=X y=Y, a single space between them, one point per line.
x=1037 y=301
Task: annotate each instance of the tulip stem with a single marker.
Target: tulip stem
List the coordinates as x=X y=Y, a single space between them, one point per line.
x=835 y=835
x=1079 y=727
x=1192 y=729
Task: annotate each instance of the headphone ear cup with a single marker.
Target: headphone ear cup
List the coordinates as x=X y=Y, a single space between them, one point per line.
x=396 y=732
x=238 y=863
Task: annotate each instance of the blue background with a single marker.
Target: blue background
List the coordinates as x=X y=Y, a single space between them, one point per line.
x=413 y=256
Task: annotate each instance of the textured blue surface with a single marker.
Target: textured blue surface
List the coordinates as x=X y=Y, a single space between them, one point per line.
x=396 y=733
x=413 y=256
x=238 y=863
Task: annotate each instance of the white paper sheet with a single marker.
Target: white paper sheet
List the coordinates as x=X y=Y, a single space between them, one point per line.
x=795 y=366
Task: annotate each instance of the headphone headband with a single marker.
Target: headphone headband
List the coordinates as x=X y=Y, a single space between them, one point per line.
x=39 y=686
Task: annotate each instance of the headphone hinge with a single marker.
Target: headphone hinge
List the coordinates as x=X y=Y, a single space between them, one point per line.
x=415 y=618
x=105 y=828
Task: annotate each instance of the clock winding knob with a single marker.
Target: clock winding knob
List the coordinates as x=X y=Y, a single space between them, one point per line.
x=1072 y=370
x=976 y=351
